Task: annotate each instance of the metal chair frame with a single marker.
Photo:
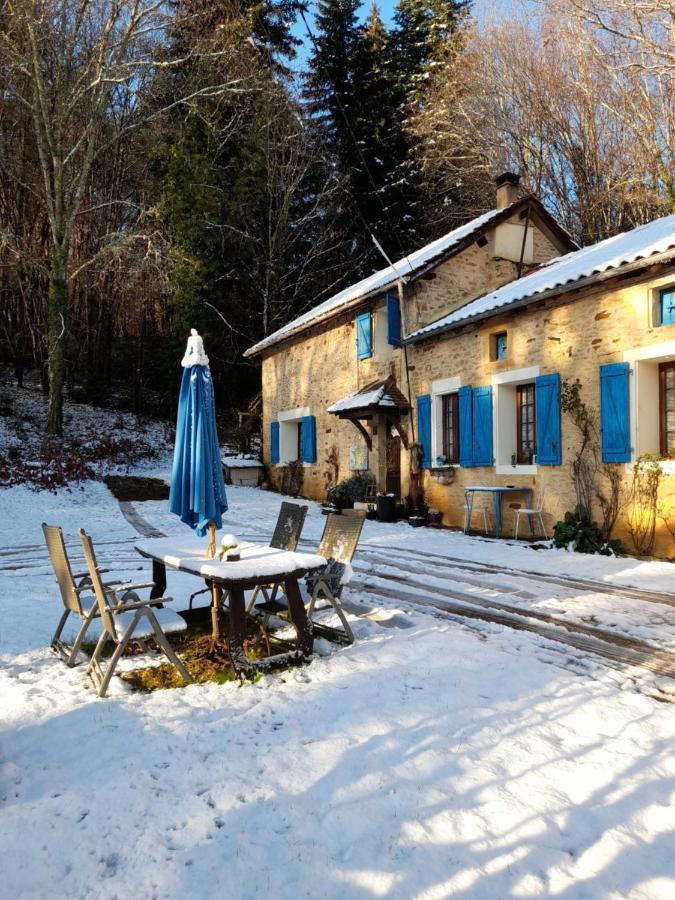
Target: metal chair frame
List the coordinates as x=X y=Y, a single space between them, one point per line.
x=111 y=605
x=535 y=512
x=286 y=536
x=73 y=588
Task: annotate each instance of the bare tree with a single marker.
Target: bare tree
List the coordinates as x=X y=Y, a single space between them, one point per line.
x=78 y=67
x=538 y=94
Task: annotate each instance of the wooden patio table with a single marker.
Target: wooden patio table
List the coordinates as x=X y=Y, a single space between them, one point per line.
x=259 y=565
x=497 y=490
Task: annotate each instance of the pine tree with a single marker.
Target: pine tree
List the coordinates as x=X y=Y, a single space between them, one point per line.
x=424 y=33
x=354 y=99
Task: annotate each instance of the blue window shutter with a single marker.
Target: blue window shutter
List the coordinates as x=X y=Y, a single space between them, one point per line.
x=308 y=439
x=465 y=413
x=424 y=428
x=482 y=426
x=393 y=321
x=668 y=306
x=274 y=442
x=614 y=412
x=547 y=398
x=364 y=336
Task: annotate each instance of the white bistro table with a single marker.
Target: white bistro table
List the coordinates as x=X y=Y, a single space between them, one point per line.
x=259 y=565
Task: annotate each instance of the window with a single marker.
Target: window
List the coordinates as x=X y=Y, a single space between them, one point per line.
x=667 y=404
x=501 y=345
x=450 y=428
x=293 y=437
x=526 y=430
x=668 y=306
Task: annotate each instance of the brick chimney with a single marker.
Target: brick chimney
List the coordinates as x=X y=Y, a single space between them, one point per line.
x=507 y=189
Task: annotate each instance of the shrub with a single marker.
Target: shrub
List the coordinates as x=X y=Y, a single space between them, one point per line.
x=578 y=533
x=352 y=490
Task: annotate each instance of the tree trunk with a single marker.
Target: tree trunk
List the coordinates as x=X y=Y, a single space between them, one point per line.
x=57 y=302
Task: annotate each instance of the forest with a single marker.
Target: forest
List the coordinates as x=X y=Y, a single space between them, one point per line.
x=227 y=164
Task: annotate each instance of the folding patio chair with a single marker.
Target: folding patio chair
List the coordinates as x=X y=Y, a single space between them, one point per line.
x=338 y=545
x=127 y=618
x=286 y=536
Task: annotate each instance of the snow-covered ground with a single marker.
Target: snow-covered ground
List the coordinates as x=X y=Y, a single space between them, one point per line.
x=435 y=757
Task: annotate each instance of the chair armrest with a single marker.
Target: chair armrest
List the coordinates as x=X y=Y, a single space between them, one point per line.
x=128 y=586
x=86 y=574
x=138 y=604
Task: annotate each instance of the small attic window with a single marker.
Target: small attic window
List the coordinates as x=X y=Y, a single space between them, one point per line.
x=499 y=347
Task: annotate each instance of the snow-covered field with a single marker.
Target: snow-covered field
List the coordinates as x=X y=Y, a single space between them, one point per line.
x=433 y=758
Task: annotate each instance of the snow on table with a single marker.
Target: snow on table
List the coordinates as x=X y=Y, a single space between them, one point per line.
x=257 y=560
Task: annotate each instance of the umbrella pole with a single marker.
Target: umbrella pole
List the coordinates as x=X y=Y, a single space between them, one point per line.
x=211 y=549
x=216 y=594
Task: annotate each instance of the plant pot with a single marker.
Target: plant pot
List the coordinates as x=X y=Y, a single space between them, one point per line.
x=386 y=507
x=435 y=519
x=417 y=521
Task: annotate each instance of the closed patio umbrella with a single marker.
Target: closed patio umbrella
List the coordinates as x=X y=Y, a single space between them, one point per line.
x=197 y=493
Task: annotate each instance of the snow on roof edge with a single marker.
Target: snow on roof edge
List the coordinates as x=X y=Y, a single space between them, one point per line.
x=658 y=237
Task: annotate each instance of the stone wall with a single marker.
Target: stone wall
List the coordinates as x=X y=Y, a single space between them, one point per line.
x=573 y=337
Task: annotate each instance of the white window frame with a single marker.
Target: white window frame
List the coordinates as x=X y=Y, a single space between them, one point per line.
x=504 y=419
x=643 y=389
x=288 y=434
x=439 y=388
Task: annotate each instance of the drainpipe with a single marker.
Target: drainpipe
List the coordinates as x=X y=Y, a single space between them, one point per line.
x=404 y=330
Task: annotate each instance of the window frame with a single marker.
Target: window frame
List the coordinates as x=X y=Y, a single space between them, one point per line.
x=450 y=453
x=499 y=335
x=663 y=432
x=523 y=459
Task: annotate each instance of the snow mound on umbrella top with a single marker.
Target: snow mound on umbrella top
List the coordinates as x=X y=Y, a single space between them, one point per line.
x=195 y=355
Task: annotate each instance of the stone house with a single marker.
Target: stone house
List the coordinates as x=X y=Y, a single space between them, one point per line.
x=461 y=348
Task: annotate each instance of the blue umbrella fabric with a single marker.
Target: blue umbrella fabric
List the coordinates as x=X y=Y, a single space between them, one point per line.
x=197 y=493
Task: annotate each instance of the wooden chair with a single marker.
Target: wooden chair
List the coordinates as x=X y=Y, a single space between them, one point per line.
x=286 y=536
x=125 y=618
x=535 y=512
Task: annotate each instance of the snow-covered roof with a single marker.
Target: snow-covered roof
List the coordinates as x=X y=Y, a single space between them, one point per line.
x=241 y=462
x=564 y=272
x=379 y=393
x=404 y=268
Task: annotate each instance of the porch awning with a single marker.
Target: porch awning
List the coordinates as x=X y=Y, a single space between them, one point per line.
x=379 y=396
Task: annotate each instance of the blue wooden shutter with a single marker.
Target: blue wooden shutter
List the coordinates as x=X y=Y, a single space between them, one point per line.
x=614 y=412
x=668 y=306
x=393 y=321
x=274 y=442
x=424 y=429
x=465 y=414
x=547 y=398
x=308 y=439
x=364 y=336
x=482 y=426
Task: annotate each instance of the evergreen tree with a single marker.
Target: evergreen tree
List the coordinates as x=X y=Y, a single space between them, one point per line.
x=353 y=97
x=425 y=32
